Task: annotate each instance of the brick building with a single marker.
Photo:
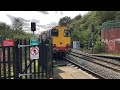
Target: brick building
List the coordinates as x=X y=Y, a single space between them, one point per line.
x=110 y=35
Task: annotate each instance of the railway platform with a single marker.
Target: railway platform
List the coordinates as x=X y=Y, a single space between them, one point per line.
x=69 y=72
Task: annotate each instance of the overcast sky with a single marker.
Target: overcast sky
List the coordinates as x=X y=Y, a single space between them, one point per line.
x=44 y=19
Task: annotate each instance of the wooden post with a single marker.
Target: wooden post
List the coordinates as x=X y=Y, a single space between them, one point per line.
x=0 y=54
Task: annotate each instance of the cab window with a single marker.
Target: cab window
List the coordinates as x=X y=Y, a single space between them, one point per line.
x=54 y=32
x=66 y=33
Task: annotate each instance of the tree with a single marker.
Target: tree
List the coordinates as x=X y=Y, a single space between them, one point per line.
x=78 y=17
x=4 y=29
x=4 y=26
x=65 y=21
x=117 y=16
x=7 y=31
x=17 y=24
x=106 y=15
x=85 y=22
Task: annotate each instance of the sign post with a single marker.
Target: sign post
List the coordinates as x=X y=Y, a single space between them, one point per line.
x=33 y=28
x=34 y=51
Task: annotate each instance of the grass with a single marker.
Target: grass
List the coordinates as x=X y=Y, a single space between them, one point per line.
x=2 y=70
x=90 y=51
x=111 y=54
x=23 y=65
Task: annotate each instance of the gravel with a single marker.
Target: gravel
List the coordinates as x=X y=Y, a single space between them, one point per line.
x=108 y=73
x=60 y=62
x=104 y=59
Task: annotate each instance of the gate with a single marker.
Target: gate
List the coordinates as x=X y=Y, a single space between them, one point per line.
x=15 y=61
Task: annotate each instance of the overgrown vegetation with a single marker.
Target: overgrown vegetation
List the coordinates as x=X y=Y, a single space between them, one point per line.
x=81 y=28
x=15 y=31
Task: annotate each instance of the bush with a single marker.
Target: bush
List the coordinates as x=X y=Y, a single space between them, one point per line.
x=98 y=47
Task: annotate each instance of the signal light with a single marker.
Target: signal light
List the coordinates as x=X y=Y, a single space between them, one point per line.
x=92 y=28
x=33 y=26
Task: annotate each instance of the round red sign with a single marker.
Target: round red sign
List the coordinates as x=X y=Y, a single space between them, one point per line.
x=34 y=51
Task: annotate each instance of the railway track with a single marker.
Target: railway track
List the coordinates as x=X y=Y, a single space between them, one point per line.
x=98 y=67
x=107 y=68
x=60 y=62
x=99 y=61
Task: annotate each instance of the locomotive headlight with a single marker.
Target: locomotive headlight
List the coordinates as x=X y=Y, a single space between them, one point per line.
x=68 y=45
x=54 y=45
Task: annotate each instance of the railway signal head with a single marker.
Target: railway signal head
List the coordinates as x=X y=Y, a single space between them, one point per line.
x=92 y=28
x=33 y=26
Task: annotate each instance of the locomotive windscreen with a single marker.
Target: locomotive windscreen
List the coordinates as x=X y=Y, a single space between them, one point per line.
x=54 y=32
x=67 y=33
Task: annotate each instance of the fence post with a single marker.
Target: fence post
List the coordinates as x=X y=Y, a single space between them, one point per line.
x=0 y=61
x=42 y=58
x=17 y=60
x=20 y=57
x=4 y=63
x=49 y=61
x=39 y=61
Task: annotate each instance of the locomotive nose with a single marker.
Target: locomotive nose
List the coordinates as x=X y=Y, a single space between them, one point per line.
x=60 y=42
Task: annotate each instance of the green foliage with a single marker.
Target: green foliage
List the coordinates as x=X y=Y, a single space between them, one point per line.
x=106 y=15
x=17 y=24
x=10 y=33
x=110 y=24
x=98 y=46
x=81 y=27
x=21 y=35
x=65 y=21
x=117 y=16
x=78 y=17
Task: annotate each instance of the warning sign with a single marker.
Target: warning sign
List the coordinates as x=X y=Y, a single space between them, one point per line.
x=34 y=53
x=7 y=42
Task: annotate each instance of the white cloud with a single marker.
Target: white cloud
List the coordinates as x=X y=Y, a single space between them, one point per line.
x=44 y=12
x=45 y=18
